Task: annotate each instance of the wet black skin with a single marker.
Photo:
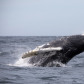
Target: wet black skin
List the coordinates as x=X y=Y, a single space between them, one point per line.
x=71 y=46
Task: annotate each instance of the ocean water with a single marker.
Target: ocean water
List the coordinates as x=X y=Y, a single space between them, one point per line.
x=15 y=70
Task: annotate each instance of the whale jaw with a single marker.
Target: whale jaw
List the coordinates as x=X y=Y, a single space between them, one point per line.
x=42 y=52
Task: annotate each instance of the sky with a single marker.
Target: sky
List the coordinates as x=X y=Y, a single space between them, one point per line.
x=41 y=17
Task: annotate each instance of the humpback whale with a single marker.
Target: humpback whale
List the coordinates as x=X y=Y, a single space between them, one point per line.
x=56 y=52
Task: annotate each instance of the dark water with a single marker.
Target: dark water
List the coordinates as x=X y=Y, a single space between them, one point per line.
x=14 y=70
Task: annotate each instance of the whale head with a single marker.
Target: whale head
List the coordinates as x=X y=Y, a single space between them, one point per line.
x=61 y=50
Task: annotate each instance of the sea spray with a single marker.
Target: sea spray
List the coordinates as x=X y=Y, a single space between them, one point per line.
x=21 y=63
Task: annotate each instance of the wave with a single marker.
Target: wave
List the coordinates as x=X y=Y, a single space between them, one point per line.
x=4 y=53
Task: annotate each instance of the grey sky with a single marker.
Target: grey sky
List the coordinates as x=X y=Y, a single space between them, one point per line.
x=41 y=17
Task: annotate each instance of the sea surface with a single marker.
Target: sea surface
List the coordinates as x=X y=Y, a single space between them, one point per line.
x=15 y=70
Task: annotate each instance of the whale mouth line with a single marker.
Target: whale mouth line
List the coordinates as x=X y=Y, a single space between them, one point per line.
x=41 y=51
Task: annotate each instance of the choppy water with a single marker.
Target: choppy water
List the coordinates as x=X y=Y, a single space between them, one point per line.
x=14 y=70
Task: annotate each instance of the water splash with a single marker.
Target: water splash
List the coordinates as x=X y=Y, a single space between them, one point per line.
x=21 y=63
x=25 y=63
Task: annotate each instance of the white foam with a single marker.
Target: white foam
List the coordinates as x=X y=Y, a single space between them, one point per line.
x=24 y=63
x=21 y=63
